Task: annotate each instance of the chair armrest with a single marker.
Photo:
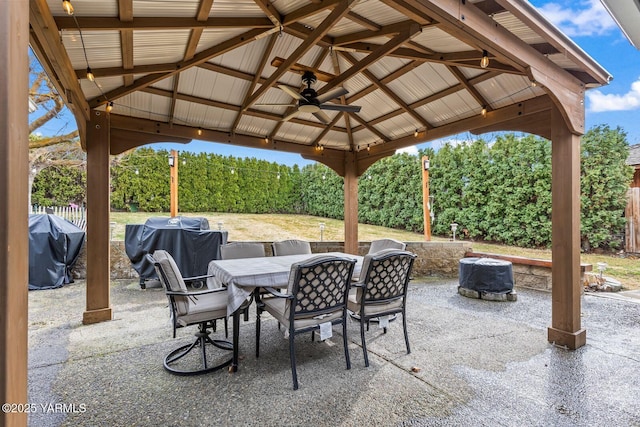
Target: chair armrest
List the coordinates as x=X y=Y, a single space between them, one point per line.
x=357 y=285
x=277 y=294
x=196 y=293
x=197 y=278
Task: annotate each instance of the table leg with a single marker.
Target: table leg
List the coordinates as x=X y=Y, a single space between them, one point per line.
x=236 y=339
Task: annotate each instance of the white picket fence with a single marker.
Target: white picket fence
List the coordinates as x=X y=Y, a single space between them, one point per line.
x=75 y=214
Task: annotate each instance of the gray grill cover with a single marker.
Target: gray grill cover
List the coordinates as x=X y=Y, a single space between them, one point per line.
x=188 y=240
x=54 y=246
x=486 y=275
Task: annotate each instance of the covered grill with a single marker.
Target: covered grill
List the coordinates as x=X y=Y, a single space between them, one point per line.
x=189 y=240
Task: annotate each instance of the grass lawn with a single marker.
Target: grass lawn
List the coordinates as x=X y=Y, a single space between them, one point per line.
x=269 y=227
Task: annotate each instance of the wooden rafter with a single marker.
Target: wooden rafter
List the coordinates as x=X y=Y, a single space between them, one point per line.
x=432 y=98
x=201 y=57
x=374 y=56
x=469 y=87
x=370 y=34
x=229 y=107
x=256 y=78
x=125 y=13
x=338 y=13
x=391 y=94
x=361 y=20
x=309 y=10
x=271 y=12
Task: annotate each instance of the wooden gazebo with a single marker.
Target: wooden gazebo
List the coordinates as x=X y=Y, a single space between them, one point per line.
x=135 y=72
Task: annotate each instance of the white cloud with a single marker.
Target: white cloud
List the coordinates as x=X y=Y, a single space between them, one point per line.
x=413 y=150
x=600 y=102
x=579 y=18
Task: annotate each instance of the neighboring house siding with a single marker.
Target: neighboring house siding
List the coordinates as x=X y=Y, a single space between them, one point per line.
x=632 y=213
x=634 y=160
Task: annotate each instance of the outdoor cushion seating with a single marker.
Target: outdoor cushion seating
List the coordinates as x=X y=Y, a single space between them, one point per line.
x=237 y=250
x=291 y=247
x=316 y=299
x=381 y=244
x=381 y=291
x=200 y=308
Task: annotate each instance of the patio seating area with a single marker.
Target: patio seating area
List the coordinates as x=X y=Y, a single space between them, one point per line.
x=472 y=362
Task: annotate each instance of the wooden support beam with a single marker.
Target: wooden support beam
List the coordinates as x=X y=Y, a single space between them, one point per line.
x=161 y=130
x=350 y=204
x=14 y=231
x=98 y=245
x=566 y=291
x=106 y=23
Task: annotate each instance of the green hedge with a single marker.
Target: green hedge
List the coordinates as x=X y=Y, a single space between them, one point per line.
x=497 y=192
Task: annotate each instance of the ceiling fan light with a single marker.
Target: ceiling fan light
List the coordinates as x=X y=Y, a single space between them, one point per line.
x=67 y=6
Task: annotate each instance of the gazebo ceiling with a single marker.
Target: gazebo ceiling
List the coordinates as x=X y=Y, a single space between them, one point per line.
x=226 y=70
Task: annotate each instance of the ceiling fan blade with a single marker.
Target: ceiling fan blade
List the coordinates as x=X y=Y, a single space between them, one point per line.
x=291 y=93
x=341 y=107
x=290 y=116
x=276 y=105
x=333 y=93
x=323 y=117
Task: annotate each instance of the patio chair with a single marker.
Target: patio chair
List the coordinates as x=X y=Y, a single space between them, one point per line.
x=381 y=291
x=291 y=247
x=239 y=250
x=188 y=308
x=382 y=244
x=316 y=299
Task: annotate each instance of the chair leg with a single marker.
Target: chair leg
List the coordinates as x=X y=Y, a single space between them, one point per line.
x=292 y=356
x=406 y=336
x=364 y=342
x=345 y=342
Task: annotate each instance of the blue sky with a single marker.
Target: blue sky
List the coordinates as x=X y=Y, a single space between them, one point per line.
x=587 y=23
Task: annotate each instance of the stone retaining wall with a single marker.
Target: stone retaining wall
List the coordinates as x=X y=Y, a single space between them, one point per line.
x=434 y=258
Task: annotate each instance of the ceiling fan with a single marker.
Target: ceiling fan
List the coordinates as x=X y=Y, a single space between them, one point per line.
x=308 y=101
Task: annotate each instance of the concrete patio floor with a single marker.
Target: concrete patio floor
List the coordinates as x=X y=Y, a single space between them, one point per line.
x=473 y=363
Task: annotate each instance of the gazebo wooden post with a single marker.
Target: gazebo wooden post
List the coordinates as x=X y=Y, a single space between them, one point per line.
x=98 y=245
x=14 y=262
x=565 y=327
x=350 y=204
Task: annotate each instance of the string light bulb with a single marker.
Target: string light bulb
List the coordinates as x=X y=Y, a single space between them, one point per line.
x=484 y=111
x=199 y=131
x=109 y=107
x=415 y=134
x=90 y=75
x=484 y=62
x=266 y=139
x=67 y=6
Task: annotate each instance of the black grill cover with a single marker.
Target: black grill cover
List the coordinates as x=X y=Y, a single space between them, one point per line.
x=54 y=246
x=486 y=275
x=188 y=240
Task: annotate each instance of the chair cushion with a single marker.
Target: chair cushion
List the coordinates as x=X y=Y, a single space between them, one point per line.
x=378 y=245
x=204 y=307
x=277 y=307
x=353 y=304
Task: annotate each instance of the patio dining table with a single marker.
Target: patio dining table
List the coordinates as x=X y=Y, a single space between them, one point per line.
x=243 y=276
